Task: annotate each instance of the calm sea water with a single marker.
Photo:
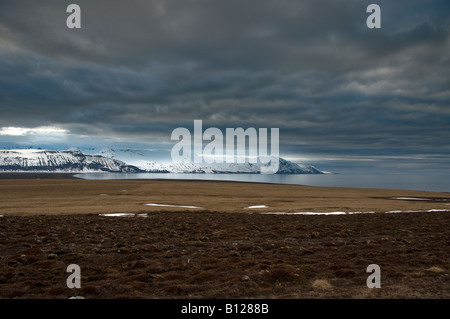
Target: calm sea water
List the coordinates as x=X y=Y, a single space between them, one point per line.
x=437 y=183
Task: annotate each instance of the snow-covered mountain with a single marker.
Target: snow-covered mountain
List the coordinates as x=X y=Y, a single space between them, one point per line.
x=285 y=167
x=159 y=161
x=59 y=161
x=288 y=167
x=127 y=161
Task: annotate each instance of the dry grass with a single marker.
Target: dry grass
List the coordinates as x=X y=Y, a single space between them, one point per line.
x=224 y=251
x=75 y=196
x=436 y=269
x=216 y=255
x=321 y=284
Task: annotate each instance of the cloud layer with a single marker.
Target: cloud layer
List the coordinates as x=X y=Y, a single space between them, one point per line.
x=138 y=69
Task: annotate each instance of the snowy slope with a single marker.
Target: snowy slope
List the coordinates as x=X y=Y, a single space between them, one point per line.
x=159 y=161
x=59 y=161
x=129 y=161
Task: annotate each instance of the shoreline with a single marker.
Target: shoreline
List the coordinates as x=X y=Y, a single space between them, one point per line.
x=76 y=175
x=37 y=175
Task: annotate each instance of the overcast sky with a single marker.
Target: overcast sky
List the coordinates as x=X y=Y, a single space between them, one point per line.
x=343 y=96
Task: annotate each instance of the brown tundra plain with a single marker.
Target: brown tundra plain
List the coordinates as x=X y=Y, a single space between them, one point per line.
x=202 y=239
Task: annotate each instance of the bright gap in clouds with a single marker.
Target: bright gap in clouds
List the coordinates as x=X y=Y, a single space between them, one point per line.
x=41 y=130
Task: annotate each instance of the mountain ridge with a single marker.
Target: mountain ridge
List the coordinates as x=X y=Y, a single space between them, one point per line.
x=164 y=164
x=59 y=161
x=126 y=161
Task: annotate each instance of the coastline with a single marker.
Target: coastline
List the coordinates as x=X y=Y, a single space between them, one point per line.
x=36 y=175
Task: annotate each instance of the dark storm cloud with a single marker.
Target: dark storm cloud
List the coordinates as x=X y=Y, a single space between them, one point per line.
x=312 y=68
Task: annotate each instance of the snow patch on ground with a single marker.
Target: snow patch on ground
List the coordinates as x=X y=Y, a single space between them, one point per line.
x=410 y=198
x=305 y=213
x=166 y=205
x=353 y=213
x=417 y=211
x=118 y=215
x=257 y=206
x=124 y=215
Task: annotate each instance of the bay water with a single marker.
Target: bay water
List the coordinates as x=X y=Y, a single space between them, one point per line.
x=434 y=182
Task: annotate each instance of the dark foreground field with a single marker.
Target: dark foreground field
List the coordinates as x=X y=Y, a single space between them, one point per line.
x=225 y=255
